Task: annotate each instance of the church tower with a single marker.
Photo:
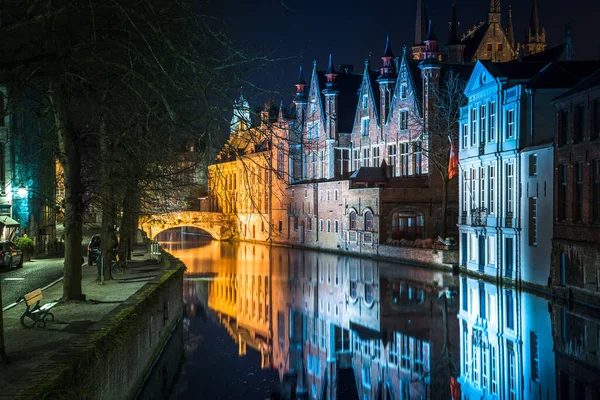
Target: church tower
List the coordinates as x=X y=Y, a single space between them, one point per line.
x=535 y=39
x=386 y=79
x=455 y=50
x=420 y=31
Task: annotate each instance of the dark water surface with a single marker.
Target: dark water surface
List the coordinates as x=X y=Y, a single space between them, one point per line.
x=262 y=323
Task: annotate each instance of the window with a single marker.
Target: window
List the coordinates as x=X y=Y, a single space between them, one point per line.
x=533 y=221
x=403 y=120
x=280 y=226
x=280 y=162
x=473 y=247
x=403 y=91
x=365 y=101
x=321 y=225
x=534 y=356
x=418 y=157
x=491 y=188
x=328 y=225
x=562 y=193
x=403 y=159
x=489 y=47
x=465 y=135
x=356 y=159
x=336 y=225
x=578 y=212
x=313 y=106
x=392 y=158
x=474 y=127
x=491 y=249
x=509 y=188
x=578 y=124
x=532 y=164
x=499 y=46
x=322 y=159
x=510 y=124
x=595 y=196
x=376 y=157
x=364 y=126
x=295 y=223
x=328 y=195
x=482 y=187
x=492 y=121
x=309 y=224
x=563 y=127
x=313 y=164
x=368 y=221
x=335 y=194
x=366 y=157
x=483 y=117
x=313 y=130
x=352 y=219
x=473 y=188
x=465 y=191
x=463 y=291
x=407 y=225
x=510 y=310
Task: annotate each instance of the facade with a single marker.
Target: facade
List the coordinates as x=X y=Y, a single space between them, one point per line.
x=575 y=251
x=506 y=129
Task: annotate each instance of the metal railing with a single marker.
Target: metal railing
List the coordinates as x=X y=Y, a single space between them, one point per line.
x=479 y=216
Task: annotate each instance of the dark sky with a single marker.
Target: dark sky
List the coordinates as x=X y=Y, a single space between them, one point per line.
x=290 y=29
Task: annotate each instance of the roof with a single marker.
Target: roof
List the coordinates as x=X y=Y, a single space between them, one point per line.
x=8 y=221
x=590 y=82
x=473 y=39
x=512 y=70
x=348 y=85
x=555 y=53
x=563 y=74
x=369 y=174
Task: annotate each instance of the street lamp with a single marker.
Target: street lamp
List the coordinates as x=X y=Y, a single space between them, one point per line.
x=22 y=191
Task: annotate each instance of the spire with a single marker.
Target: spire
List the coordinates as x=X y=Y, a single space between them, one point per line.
x=494 y=6
x=534 y=22
x=421 y=22
x=569 y=51
x=388 y=48
x=301 y=80
x=510 y=32
x=430 y=34
x=300 y=87
x=454 y=36
x=330 y=74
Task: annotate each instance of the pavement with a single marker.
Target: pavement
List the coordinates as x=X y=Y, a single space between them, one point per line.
x=28 y=348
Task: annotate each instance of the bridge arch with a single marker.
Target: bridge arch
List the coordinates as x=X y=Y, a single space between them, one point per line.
x=218 y=225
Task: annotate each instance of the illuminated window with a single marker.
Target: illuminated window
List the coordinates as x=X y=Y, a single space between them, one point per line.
x=510 y=124
x=368 y=221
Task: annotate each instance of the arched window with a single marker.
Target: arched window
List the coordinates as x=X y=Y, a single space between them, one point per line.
x=352 y=220
x=368 y=220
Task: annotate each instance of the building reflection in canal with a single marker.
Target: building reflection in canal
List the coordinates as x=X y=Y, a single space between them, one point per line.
x=337 y=327
x=332 y=326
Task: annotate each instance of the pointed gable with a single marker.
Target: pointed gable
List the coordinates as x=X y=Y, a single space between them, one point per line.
x=409 y=80
x=481 y=77
x=368 y=102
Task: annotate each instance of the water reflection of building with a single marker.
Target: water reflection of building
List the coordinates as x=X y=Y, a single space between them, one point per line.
x=577 y=359
x=315 y=317
x=505 y=349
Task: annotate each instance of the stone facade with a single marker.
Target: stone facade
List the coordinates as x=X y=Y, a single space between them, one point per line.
x=575 y=254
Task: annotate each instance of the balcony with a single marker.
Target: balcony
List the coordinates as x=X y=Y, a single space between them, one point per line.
x=479 y=216
x=362 y=237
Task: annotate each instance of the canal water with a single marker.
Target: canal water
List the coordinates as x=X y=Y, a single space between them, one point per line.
x=276 y=322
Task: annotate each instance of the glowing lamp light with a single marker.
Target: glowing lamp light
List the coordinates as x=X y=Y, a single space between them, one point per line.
x=22 y=191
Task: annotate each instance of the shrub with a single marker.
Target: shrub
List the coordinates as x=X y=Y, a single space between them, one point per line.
x=26 y=245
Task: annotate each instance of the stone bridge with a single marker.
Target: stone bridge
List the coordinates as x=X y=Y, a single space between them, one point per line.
x=220 y=226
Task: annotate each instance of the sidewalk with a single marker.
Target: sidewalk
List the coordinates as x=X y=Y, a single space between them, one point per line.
x=29 y=348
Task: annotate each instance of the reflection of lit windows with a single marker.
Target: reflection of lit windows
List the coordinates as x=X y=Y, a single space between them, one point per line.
x=393 y=353
x=418 y=359
x=484 y=367
x=465 y=350
x=353 y=281
x=353 y=289
x=366 y=375
x=314 y=334
x=534 y=352
x=512 y=372
x=510 y=310
x=323 y=335
x=494 y=379
x=475 y=362
x=405 y=352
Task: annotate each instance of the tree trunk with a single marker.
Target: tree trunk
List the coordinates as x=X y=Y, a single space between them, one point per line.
x=128 y=222
x=444 y=210
x=71 y=163
x=3 y=357
x=107 y=198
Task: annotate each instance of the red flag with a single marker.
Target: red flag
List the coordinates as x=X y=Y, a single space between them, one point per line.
x=454 y=388
x=453 y=162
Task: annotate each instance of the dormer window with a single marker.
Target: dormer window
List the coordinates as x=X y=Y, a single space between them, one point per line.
x=403 y=91
x=365 y=101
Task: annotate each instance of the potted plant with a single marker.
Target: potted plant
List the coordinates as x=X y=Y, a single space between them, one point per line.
x=26 y=246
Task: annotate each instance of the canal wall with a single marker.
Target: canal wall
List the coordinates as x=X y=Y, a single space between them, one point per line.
x=113 y=361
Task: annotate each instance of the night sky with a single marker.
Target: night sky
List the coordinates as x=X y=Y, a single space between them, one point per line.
x=291 y=29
